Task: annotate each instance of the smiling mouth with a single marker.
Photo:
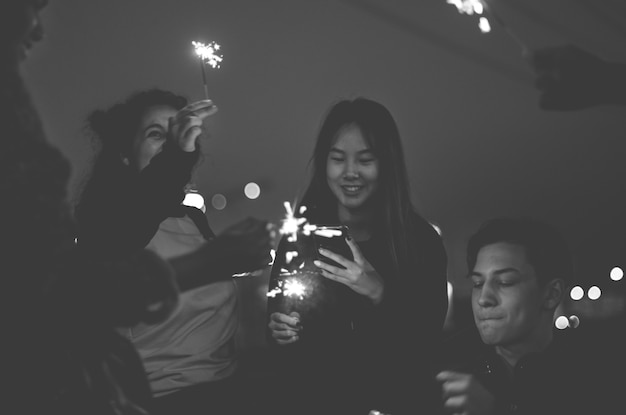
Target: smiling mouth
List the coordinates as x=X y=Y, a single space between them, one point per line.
x=351 y=189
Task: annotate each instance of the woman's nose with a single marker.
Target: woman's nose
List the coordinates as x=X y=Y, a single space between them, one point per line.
x=351 y=171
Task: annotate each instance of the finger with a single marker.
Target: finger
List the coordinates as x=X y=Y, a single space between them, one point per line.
x=335 y=257
x=189 y=133
x=457 y=403
x=202 y=109
x=448 y=375
x=334 y=277
x=356 y=251
x=284 y=318
x=287 y=341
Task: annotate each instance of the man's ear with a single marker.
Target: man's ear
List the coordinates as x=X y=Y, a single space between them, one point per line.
x=553 y=293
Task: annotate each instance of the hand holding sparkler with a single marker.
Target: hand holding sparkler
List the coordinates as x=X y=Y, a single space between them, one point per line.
x=186 y=126
x=359 y=275
x=571 y=78
x=285 y=328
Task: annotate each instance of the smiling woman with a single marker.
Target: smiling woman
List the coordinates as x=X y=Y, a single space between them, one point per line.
x=366 y=333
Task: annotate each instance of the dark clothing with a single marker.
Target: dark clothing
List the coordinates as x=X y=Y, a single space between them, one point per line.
x=560 y=380
x=353 y=356
x=53 y=362
x=120 y=209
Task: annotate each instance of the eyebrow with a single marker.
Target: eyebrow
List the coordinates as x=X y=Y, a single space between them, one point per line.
x=153 y=125
x=497 y=272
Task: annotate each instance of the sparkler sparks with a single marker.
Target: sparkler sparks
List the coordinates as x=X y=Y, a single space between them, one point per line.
x=291 y=225
x=481 y=8
x=208 y=55
x=289 y=288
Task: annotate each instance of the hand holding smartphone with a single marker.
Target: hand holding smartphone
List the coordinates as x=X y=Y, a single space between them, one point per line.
x=332 y=238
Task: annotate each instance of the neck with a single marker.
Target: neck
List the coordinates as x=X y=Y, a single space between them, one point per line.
x=358 y=221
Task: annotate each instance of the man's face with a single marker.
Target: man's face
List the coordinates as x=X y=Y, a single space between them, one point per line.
x=20 y=28
x=506 y=298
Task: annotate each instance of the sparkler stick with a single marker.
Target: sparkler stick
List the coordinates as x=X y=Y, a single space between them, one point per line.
x=480 y=7
x=208 y=54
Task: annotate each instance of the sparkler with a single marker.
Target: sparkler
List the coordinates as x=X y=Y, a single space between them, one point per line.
x=208 y=54
x=292 y=225
x=481 y=7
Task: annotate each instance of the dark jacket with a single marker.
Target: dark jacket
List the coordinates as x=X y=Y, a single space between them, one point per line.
x=559 y=380
x=360 y=356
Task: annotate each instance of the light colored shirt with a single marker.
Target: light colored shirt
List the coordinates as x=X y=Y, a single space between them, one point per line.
x=196 y=343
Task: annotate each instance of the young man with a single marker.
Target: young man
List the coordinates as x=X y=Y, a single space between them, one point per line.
x=520 y=269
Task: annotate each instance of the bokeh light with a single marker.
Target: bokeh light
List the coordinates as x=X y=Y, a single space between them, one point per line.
x=252 y=190
x=561 y=322
x=574 y=321
x=594 y=292
x=616 y=274
x=218 y=201
x=577 y=293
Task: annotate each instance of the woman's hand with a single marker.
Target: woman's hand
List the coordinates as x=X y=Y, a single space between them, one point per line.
x=285 y=328
x=186 y=126
x=358 y=275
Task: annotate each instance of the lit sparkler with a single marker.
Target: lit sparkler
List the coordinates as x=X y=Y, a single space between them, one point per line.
x=289 y=288
x=480 y=8
x=292 y=225
x=208 y=54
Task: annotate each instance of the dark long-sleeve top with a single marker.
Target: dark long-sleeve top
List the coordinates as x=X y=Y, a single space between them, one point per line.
x=120 y=210
x=383 y=350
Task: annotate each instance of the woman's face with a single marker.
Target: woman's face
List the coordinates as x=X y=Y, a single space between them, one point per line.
x=351 y=170
x=21 y=27
x=150 y=135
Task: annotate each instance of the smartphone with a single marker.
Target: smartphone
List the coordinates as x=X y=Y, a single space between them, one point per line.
x=332 y=238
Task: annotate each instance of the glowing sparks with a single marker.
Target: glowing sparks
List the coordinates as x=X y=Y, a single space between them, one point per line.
x=289 y=288
x=468 y=6
x=289 y=256
x=208 y=53
x=294 y=288
x=292 y=225
x=482 y=8
x=483 y=25
x=471 y=7
x=327 y=232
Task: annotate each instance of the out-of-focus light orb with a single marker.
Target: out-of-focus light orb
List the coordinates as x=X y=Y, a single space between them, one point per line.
x=574 y=321
x=577 y=293
x=561 y=322
x=218 y=201
x=616 y=274
x=594 y=292
x=252 y=190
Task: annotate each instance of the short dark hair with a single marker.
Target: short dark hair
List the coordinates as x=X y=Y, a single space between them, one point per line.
x=546 y=248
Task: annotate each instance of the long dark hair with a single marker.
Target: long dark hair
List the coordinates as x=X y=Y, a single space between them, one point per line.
x=394 y=211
